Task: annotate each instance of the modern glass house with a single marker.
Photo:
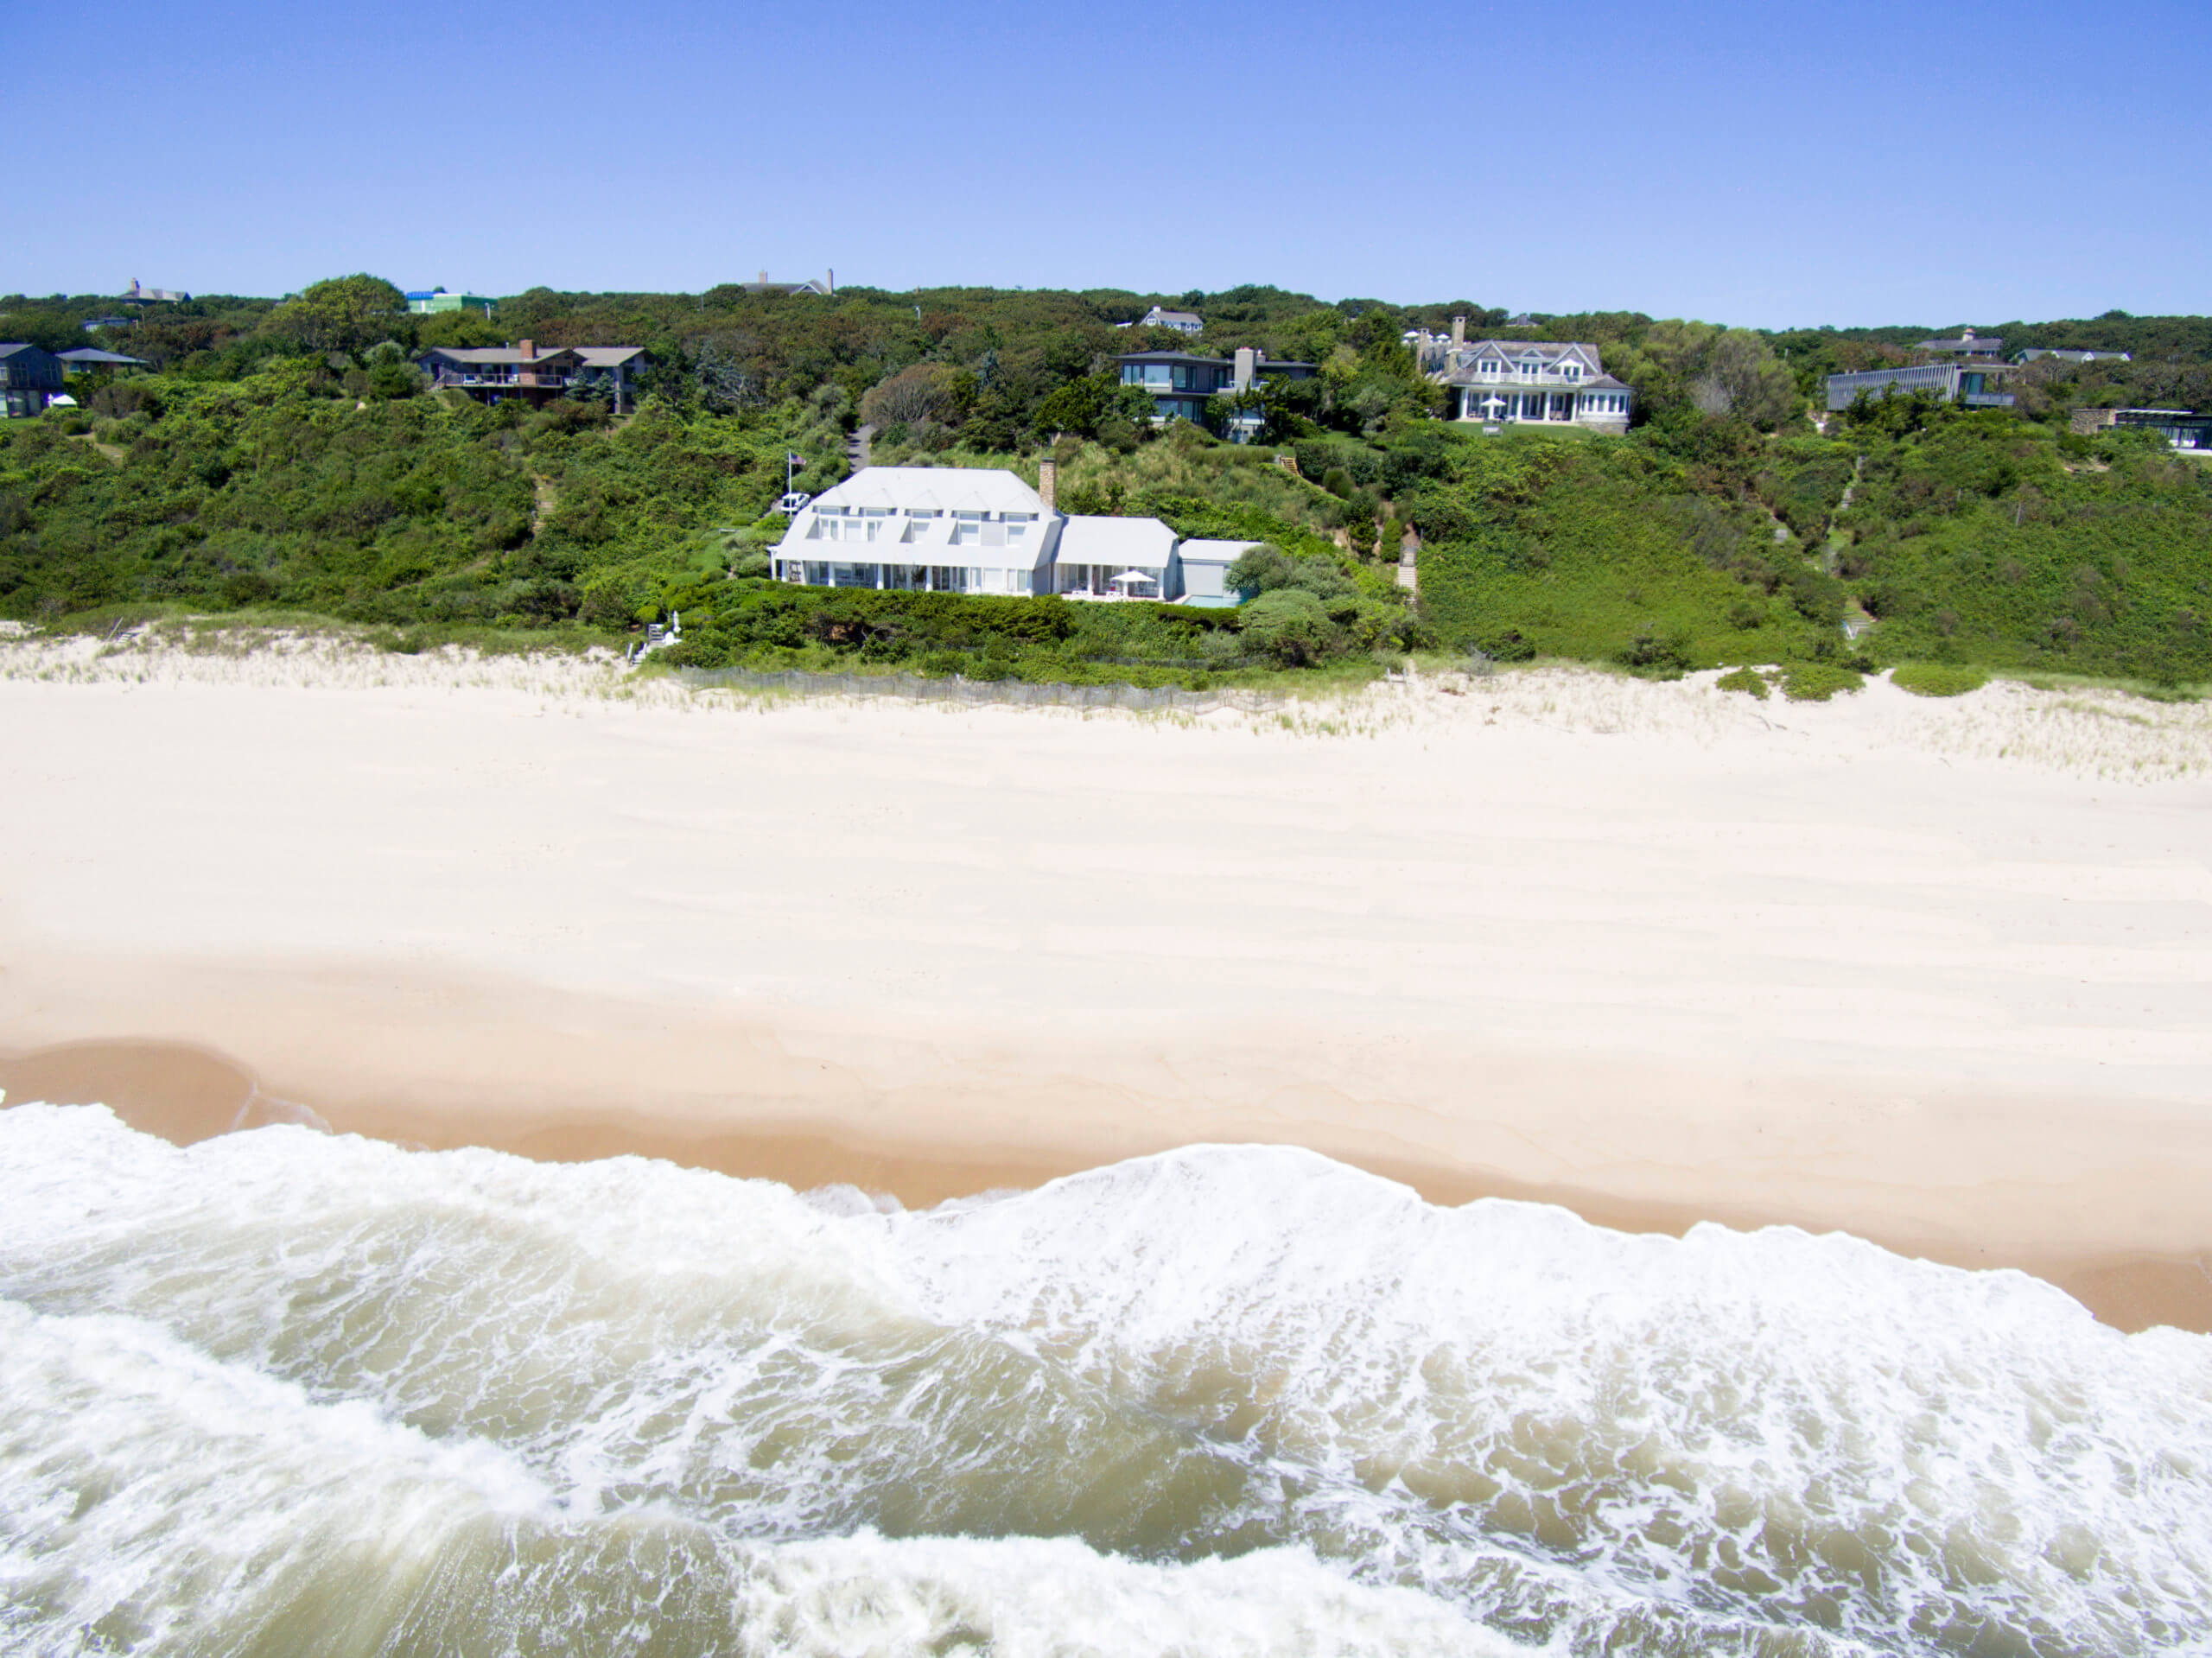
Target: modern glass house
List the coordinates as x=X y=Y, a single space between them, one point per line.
x=1952 y=382
x=1180 y=383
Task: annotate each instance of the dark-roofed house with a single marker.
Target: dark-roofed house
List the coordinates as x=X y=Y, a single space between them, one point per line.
x=493 y=373
x=30 y=377
x=2068 y=354
x=809 y=286
x=1967 y=347
x=85 y=361
x=1524 y=382
x=1181 y=322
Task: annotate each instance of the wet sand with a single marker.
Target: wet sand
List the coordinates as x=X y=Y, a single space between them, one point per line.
x=185 y=1094
x=1933 y=975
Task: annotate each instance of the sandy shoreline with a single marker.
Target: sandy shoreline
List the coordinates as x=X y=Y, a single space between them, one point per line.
x=1934 y=974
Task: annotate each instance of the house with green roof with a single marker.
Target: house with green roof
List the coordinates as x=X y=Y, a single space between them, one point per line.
x=431 y=301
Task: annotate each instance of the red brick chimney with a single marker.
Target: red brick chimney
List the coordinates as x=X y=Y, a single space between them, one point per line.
x=527 y=376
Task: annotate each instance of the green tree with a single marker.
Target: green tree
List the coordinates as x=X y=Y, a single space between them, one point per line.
x=1260 y=569
x=1078 y=406
x=391 y=375
x=343 y=313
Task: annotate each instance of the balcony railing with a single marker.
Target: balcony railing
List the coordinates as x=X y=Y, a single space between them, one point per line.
x=447 y=377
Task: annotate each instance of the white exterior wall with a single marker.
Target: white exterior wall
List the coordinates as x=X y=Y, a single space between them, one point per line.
x=1202 y=567
x=923 y=530
x=1517 y=383
x=1525 y=403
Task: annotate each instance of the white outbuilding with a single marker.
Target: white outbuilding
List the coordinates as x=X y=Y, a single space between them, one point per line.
x=1202 y=568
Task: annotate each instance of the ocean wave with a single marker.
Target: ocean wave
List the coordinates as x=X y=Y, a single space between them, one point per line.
x=282 y=1390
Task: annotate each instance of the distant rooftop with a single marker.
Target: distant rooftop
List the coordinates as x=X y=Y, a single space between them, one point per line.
x=1968 y=344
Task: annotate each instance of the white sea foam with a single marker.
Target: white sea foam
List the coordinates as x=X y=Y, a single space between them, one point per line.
x=287 y=1391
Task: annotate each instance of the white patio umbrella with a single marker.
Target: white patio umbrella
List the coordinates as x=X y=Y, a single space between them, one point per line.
x=1126 y=576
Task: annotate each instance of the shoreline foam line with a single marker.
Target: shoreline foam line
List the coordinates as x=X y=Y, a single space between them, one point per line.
x=186 y=1093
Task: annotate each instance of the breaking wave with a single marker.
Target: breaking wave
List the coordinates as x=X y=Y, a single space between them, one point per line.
x=281 y=1391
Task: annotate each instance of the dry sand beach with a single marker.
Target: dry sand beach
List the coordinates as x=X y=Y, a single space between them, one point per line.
x=1935 y=973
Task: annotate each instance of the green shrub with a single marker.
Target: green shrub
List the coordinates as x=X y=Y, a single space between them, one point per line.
x=1290 y=626
x=1938 y=679
x=1651 y=652
x=1750 y=681
x=1816 y=682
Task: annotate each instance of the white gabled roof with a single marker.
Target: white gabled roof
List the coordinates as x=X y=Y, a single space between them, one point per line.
x=896 y=492
x=1462 y=363
x=1223 y=553
x=949 y=489
x=1126 y=543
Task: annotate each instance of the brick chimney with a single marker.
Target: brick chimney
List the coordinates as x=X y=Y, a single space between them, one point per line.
x=527 y=375
x=1048 y=484
x=1458 y=331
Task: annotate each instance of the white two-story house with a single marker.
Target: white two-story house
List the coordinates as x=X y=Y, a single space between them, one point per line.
x=924 y=530
x=1522 y=382
x=962 y=529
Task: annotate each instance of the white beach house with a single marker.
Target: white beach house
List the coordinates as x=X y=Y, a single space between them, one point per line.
x=962 y=529
x=924 y=530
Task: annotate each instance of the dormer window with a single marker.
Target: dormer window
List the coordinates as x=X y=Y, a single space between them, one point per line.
x=1571 y=371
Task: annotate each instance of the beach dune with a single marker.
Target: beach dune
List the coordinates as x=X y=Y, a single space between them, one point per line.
x=1934 y=974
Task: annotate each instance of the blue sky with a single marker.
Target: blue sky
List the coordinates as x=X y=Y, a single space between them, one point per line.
x=1768 y=165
